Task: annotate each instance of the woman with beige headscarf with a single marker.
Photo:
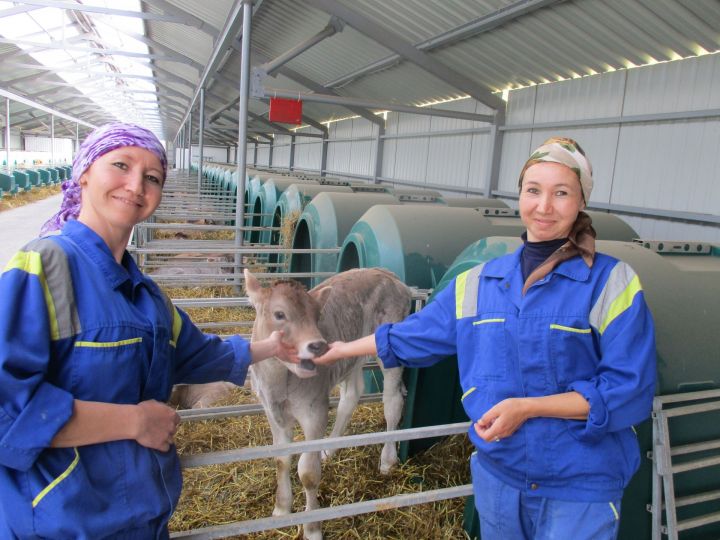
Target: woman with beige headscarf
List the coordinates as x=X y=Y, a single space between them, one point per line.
x=556 y=353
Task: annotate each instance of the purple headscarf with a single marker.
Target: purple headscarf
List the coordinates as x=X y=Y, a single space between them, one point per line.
x=101 y=141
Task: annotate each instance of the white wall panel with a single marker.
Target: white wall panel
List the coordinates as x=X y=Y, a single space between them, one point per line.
x=263 y=155
x=669 y=165
x=281 y=152
x=308 y=156
x=449 y=160
x=478 y=163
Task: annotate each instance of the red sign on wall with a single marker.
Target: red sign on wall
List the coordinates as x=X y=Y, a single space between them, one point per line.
x=285 y=111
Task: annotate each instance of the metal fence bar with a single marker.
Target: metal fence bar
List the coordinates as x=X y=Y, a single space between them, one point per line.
x=213 y=413
x=316 y=445
x=325 y=514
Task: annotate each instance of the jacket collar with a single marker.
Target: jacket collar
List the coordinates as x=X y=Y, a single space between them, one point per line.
x=503 y=267
x=94 y=247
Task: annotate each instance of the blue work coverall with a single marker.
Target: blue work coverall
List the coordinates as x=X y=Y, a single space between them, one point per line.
x=580 y=328
x=74 y=324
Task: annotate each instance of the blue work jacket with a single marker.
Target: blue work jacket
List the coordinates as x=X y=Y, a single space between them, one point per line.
x=74 y=324
x=583 y=329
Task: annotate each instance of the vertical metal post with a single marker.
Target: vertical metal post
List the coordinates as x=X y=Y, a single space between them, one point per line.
x=52 y=140
x=291 y=163
x=255 y=154
x=242 y=125
x=270 y=153
x=201 y=129
x=77 y=139
x=492 y=171
x=188 y=146
x=379 y=151
x=189 y=142
x=7 y=132
x=323 y=156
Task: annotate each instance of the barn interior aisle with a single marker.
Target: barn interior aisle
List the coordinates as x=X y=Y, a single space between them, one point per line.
x=306 y=138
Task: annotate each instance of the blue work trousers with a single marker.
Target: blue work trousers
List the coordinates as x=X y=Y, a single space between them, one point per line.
x=507 y=513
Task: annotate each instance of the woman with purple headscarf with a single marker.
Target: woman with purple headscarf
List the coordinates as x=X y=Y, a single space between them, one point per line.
x=89 y=351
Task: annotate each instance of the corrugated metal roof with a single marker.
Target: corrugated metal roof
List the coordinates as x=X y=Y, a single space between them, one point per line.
x=560 y=40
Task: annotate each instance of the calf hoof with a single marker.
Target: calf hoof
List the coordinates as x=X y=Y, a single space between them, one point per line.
x=315 y=533
x=388 y=461
x=280 y=511
x=326 y=455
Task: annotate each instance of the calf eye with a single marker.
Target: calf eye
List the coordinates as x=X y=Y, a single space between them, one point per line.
x=279 y=316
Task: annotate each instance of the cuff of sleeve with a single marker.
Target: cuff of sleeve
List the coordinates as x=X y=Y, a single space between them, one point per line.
x=596 y=425
x=239 y=371
x=36 y=426
x=382 y=342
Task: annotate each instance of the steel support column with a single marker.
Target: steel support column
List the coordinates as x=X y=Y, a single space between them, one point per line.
x=242 y=124
x=255 y=154
x=189 y=142
x=291 y=162
x=323 y=155
x=492 y=171
x=52 y=140
x=7 y=132
x=201 y=136
x=379 y=151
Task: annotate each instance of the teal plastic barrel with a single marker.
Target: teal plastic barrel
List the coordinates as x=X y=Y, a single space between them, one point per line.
x=45 y=177
x=324 y=223
x=418 y=245
x=289 y=206
x=7 y=183
x=34 y=177
x=265 y=201
x=22 y=180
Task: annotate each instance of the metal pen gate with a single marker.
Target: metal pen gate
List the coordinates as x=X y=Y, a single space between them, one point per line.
x=184 y=200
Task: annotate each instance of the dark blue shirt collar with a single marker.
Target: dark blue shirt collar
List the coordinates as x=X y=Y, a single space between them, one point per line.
x=502 y=267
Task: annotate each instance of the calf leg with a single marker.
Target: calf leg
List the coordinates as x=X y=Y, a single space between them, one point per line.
x=282 y=429
x=393 y=402
x=350 y=391
x=313 y=421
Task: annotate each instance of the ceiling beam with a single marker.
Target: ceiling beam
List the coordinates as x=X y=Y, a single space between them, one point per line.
x=320 y=89
x=197 y=22
x=71 y=6
x=94 y=50
x=232 y=27
x=386 y=38
x=470 y=29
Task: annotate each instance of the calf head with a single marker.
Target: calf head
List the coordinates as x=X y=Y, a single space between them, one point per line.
x=287 y=306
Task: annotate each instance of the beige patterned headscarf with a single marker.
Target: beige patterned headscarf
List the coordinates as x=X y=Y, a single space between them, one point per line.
x=581 y=240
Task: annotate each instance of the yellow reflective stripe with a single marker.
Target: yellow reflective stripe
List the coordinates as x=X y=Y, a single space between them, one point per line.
x=59 y=479
x=177 y=326
x=621 y=303
x=466 y=394
x=485 y=321
x=617 y=516
x=31 y=262
x=107 y=344
x=570 y=329
x=460 y=283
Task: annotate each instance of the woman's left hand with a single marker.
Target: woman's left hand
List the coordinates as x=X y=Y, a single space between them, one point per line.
x=502 y=420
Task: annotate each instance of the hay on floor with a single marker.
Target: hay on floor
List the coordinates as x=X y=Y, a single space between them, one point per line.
x=222 y=494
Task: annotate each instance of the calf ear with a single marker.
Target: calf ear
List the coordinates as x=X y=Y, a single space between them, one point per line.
x=321 y=295
x=252 y=286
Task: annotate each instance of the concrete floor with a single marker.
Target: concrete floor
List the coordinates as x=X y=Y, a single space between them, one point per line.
x=20 y=225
